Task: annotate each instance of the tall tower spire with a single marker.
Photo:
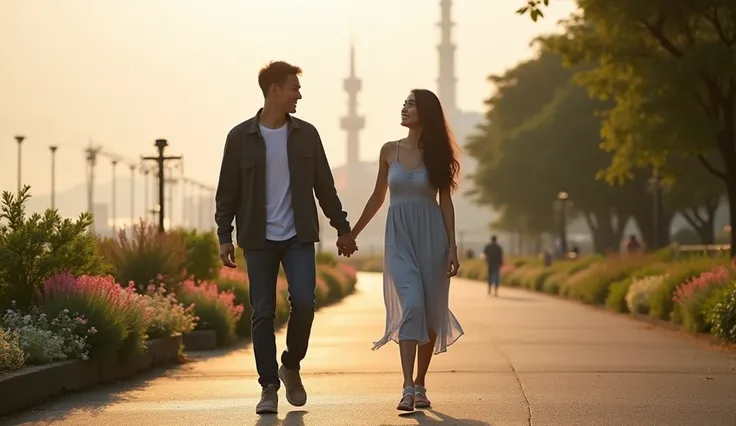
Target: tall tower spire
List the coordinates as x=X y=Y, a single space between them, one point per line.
x=352 y=123
x=446 y=81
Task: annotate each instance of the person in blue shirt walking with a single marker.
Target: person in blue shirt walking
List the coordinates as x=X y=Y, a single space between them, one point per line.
x=494 y=259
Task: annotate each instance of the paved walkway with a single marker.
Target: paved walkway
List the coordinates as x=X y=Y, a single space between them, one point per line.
x=525 y=359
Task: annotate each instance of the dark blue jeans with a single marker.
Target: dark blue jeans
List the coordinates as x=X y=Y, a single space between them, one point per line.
x=298 y=261
x=494 y=276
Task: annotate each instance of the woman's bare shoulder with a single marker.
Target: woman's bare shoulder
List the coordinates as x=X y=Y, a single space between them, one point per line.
x=388 y=151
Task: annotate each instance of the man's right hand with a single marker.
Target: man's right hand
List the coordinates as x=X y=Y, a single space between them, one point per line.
x=346 y=245
x=227 y=254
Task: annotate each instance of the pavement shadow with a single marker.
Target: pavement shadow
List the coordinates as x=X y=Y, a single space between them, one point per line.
x=423 y=419
x=293 y=418
x=516 y=298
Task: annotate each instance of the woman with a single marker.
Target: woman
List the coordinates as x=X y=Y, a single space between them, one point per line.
x=420 y=253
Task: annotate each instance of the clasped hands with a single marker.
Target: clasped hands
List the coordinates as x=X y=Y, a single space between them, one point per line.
x=346 y=245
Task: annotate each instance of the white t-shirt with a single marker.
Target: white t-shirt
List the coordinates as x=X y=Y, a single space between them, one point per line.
x=279 y=213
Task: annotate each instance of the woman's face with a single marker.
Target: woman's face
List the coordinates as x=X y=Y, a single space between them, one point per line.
x=409 y=113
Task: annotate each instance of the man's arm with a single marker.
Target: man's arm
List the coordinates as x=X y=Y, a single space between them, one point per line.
x=324 y=188
x=227 y=196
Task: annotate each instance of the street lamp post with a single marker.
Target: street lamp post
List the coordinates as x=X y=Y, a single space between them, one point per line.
x=19 y=139
x=146 y=172
x=160 y=160
x=53 y=149
x=185 y=213
x=132 y=195
x=201 y=207
x=114 y=209
x=561 y=206
x=655 y=187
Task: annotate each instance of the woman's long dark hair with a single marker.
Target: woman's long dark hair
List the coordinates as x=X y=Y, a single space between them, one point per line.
x=437 y=141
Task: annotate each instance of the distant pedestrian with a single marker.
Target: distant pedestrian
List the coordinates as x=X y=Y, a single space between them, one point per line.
x=633 y=246
x=494 y=259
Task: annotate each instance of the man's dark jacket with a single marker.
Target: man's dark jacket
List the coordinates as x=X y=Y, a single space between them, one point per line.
x=241 y=191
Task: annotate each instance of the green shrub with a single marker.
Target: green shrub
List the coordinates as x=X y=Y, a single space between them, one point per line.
x=722 y=314
x=532 y=277
x=44 y=339
x=116 y=314
x=474 y=269
x=167 y=317
x=325 y=258
x=239 y=287
x=11 y=354
x=554 y=282
x=332 y=280
x=591 y=285
x=216 y=310
x=513 y=277
x=616 y=299
x=34 y=248
x=202 y=254
x=638 y=297
x=147 y=257
x=661 y=303
x=693 y=298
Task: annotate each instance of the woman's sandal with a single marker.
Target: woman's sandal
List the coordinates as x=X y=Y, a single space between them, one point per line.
x=407 y=400
x=420 y=397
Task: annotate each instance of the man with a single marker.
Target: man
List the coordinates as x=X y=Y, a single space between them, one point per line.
x=273 y=165
x=494 y=259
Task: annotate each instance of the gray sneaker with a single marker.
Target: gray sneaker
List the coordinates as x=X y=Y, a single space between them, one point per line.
x=269 y=403
x=295 y=393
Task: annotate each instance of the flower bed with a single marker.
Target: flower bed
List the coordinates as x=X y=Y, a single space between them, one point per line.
x=62 y=302
x=90 y=317
x=697 y=294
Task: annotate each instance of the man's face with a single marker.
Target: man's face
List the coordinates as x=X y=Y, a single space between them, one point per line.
x=286 y=96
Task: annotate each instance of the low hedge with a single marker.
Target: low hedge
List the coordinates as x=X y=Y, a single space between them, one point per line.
x=695 y=293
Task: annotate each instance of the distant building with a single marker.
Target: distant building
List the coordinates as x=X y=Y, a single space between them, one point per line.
x=356 y=179
x=471 y=220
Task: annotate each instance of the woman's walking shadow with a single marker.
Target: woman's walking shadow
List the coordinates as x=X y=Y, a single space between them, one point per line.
x=424 y=419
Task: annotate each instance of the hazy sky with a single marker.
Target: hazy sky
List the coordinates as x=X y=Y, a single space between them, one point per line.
x=124 y=73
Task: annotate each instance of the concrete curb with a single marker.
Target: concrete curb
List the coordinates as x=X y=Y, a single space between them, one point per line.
x=200 y=340
x=28 y=386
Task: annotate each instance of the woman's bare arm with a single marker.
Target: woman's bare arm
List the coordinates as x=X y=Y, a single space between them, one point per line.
x=375 y=201
x=448 y=214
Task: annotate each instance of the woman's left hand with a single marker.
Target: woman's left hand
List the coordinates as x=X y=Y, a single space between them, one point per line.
x=453 y=264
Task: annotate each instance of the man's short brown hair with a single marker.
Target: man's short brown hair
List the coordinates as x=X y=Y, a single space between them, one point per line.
x=276 y=72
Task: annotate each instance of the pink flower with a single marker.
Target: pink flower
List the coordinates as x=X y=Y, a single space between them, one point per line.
x=688 y=291
x=208 y=290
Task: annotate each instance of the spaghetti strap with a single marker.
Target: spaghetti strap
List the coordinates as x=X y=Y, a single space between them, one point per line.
x=398 y=146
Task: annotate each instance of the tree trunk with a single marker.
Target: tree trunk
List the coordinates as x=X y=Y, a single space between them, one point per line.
x=704 y=223
x=606 y=235
x=644 y=216
x=727 y=147
x=732 y=211
x=731 y=190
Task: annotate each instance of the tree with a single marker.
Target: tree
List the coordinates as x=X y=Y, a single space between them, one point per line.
x=540 y=139
x=35 y=248
x=521 y=93
x=534 y=8
x=695 y=194
x=671 y=68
